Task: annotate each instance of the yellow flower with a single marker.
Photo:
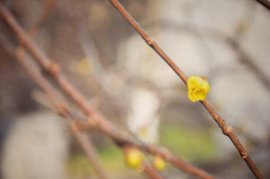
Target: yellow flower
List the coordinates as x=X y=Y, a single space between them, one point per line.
x=159 y=163
x=134 y=158
x=83 y=67
x=198 y=88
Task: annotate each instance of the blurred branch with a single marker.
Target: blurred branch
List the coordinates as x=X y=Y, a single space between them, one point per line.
x=82 y=138
x=246 y=60
x=265 y=3
x=93 y=118
x=226 y=129
x=48 y=8
x=89 y=149
x=151 y=172
x=62 y=108
x=233 y=41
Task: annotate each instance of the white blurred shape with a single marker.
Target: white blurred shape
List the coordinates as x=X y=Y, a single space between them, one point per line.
x=36 y=148
x=143 y=119
x=145 y=64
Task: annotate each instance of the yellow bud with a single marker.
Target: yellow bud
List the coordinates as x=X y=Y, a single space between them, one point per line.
x=83 y=67
x=159 y=163
x=134 y=158
x=198 y=88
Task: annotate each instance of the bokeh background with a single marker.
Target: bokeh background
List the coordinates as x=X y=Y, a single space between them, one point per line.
x=226 y=41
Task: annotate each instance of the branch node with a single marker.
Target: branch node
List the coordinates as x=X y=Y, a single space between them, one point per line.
x=227 y=130
x=149 y=41
x=244 y=155
x=215 y=116
x=75 y=127
x=53 y=69
x=91 y=121
x=61 y=109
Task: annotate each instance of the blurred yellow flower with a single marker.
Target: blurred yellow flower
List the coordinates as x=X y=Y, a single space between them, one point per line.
x=83 y=67
x=134 y=158
x=198 y=88
x=159 y=163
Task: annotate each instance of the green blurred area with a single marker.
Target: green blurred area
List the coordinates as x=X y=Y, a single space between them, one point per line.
x=111 y=158
x=191 y=145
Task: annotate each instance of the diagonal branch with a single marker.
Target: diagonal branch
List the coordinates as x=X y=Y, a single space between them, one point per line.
x=226 y=129
x=75 y=126
x=93 y=118
x=265 y=3
x=59 y=106
x=82 y=138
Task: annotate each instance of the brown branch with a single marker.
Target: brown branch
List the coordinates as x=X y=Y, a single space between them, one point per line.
x=94 y=118
x=150 y=171
x=48 y=8
x=75 y=126
x=264 y=3
x=48 y=66
x=62 y=109
x=89 y=149
x=148 y=39
x=226 y=129
x=81 y=137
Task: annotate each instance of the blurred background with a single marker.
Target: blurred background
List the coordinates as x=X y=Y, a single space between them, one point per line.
x=226 y=41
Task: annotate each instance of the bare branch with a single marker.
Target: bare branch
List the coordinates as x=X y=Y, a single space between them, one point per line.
x=94 y=119
x=62 y=108
x=48 y=8
x=226 y=129
x=264 y=3
x=150 y=171
x=54 y=96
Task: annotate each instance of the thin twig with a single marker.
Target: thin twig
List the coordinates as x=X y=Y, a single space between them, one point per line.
x=64 y=111
x=82 y=138
x=246 y=60
x=48 y=8
x=94 y=118
x=151 y=172
x=264 y=3
x=89 y=149
x=62 y=108
x=226 y=129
